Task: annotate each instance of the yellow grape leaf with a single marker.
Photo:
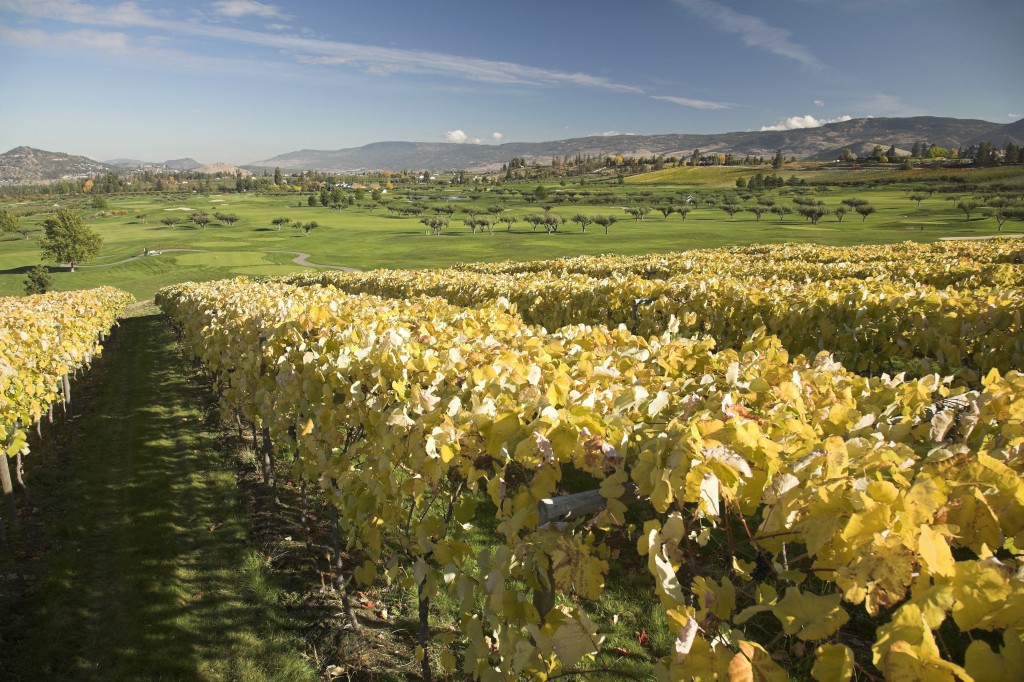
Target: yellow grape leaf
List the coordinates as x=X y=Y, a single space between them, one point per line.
x=977 y=521
x=810 y=616
x=832 y=663
x=837 y=459
x=754 y=664
x=575 y=638
x=982 y=589
x=903 y=663
x=307 y=429
x=935 y=552
x=985 y=665
x=712 y=597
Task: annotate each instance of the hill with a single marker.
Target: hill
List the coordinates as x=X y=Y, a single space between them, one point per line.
x=185 y=164
x=25 y=165
x=822 y=143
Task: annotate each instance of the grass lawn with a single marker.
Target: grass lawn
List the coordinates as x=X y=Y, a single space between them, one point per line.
x=359 y=238
x=138 y=563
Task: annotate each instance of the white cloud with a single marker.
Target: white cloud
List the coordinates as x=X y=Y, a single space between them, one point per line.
x=244 y=8
x=695 y=103
x=819 y=102
x=1014 y=115
x=497 y=137
x=753 y=31
x=456 y=136
x=806 y=121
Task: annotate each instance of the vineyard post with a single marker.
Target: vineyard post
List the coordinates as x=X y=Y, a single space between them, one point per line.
x=67 y=391
x=269 y=478
x=566 y=508
x=8 y=488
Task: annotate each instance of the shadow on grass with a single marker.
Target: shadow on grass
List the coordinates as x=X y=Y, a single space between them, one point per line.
x=144 y=570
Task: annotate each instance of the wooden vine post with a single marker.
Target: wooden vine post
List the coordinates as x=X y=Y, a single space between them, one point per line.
x=10 y=505
x=569 y=508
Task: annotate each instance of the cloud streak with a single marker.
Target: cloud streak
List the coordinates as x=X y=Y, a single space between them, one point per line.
x=753 y=31
x=307 y=50
x=244 y=8
x=694 y=103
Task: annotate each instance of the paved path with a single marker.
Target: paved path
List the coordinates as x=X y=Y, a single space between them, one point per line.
x=301 y=258
x=1008 y=235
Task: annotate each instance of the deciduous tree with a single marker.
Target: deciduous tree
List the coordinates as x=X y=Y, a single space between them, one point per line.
x=11 y=224
x=68 y=240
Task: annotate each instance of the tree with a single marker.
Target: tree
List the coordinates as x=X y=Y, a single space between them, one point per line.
x=226 y=218
x=731 y=209
x=307 y=227
x=778 y=160
x=312 y=201
x=99 y=202
x=781 y=211
x=509 y=221
x=813 y=213
x=968 y=206
x=68 y=240
x=638 y=212
x=846 y=156
x=918 y=197
x=534 y=219
x=277 y=177
x=864 y=210
x=201 y=218
x=582 y=220
x=280 y=222
x=170 y=221
x=435 y=223
x=605 y=221
x=552 y=222
x=758 y=210
x=683 y=210
x=840 y=212
x=141 y=217
x=38 y=280
x=10 y=223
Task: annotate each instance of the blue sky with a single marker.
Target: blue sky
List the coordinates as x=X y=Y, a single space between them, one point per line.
x=244 y=80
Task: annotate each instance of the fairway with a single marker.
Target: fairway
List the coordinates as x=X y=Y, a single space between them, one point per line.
x=364 y=238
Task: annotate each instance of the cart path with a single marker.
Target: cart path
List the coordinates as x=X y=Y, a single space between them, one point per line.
x=301 y=258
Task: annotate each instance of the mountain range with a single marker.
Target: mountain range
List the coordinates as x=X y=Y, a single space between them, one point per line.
x=24 y=165
x=822 y=143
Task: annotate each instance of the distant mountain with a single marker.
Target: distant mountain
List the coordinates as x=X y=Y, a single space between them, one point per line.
x=999 y=136
x=221 y=169
x=25 y=165
x=185 y=164
x=822 y=143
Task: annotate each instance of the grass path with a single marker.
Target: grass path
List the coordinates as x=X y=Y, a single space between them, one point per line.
x=142 y=565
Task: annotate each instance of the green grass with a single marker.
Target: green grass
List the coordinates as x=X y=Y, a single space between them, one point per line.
x=139 y=562
x=358 y=238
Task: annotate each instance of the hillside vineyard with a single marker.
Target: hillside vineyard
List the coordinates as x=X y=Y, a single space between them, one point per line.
x=788 y=504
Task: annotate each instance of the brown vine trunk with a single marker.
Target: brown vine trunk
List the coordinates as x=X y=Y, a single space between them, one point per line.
x=19 y=475
x=424 y=633
x=338 y=565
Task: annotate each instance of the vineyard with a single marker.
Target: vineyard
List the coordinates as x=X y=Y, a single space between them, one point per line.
x=813 y=454
x=43 y=340
x=795 y=516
